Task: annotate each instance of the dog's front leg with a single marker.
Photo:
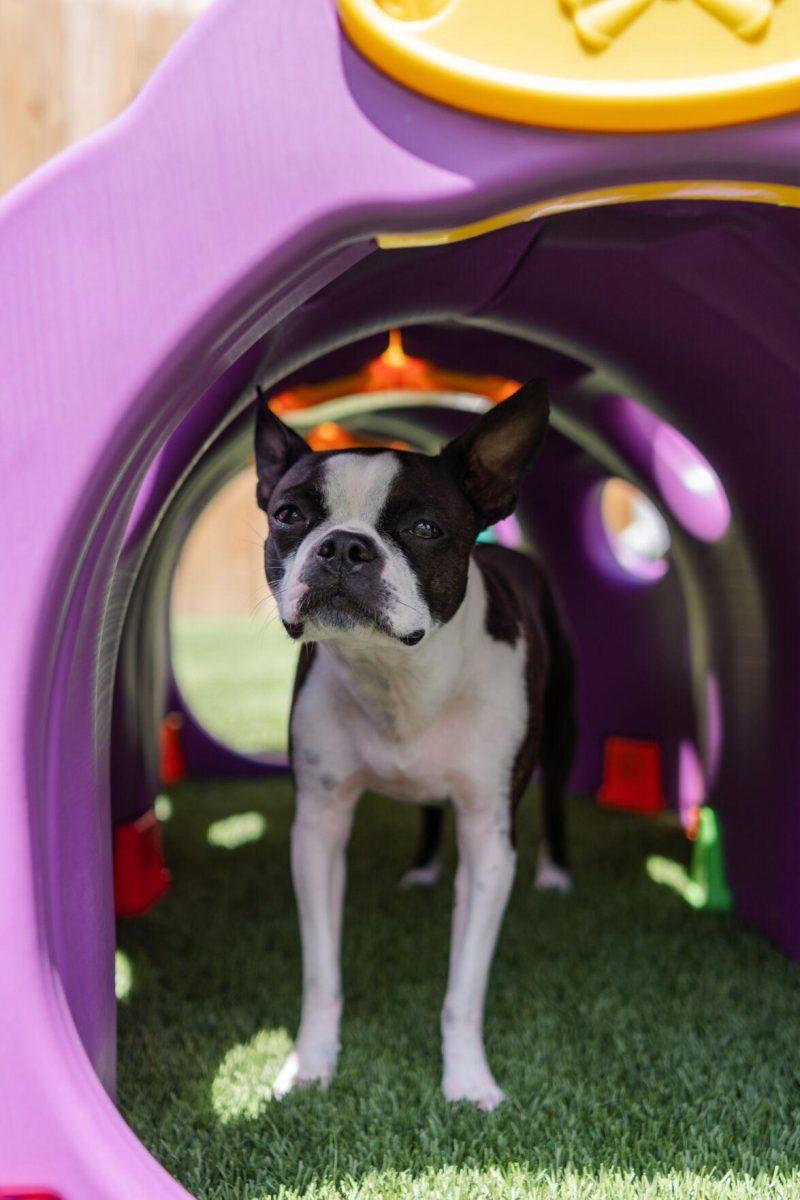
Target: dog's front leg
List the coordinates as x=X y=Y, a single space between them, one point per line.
x=319 y=840
x=483 y=884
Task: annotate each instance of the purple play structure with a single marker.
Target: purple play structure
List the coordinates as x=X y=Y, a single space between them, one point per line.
x=226 y=231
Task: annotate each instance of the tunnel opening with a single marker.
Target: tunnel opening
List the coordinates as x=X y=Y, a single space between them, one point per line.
x=681 y=628
x=423 y=421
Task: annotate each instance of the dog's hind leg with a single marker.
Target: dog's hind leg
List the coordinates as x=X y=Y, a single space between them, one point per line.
x=426 y=869
x=556 y=753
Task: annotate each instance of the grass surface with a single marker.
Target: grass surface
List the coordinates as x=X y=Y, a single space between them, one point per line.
x=647 y=1050
x=236 y=674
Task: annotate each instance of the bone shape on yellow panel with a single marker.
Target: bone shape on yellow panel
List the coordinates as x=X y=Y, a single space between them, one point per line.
x=598 y=22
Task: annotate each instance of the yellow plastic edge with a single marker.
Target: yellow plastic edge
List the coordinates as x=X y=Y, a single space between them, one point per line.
x=745 y=190
x=646 y=107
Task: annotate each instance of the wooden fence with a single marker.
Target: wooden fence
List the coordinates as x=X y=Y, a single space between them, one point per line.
x=69 y=66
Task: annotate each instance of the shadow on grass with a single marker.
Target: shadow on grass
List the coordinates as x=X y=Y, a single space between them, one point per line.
x=647 y=1050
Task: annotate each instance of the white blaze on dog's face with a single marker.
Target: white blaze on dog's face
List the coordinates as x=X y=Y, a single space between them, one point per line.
x=375 y=544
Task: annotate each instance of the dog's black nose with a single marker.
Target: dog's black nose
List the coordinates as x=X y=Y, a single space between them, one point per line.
x=347 y=550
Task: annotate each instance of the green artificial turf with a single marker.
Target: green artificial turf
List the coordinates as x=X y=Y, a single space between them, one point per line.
x=648 y=1050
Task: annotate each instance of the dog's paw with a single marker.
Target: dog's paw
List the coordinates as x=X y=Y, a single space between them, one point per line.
x=299 y=1072
x=467 y=1075
x=480 y=1090
x=427 y=876
x=549 y=877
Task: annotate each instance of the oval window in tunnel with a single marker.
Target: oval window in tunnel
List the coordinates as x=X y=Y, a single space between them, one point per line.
x=677 y=470
x=689 y=484
x=233 y=663
x=634 y=531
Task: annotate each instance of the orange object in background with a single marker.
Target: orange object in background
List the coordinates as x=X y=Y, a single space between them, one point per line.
x=140 y=874
x=632 y=775
x=394 y=370
x=330 y=436
x=172 y=761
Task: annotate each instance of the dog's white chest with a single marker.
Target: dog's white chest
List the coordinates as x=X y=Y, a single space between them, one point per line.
x=446 y=741
x=422 y=768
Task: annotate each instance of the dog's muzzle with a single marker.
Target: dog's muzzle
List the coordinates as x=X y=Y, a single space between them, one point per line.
x=342 y=577
x=344 y=588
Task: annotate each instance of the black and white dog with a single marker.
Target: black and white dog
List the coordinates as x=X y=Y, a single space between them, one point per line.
x=436 y=669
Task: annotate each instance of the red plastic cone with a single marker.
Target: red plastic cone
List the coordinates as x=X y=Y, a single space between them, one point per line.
x=140 y=875
x=632 y=775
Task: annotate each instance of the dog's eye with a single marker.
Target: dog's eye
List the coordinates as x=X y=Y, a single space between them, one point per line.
x=288 y=514
x=425 y=529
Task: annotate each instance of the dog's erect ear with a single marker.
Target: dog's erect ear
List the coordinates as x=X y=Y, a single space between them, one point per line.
x=277 y=448
x=490 y=459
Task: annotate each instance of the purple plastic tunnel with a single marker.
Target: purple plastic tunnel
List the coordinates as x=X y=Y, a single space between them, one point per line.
x=223 y=232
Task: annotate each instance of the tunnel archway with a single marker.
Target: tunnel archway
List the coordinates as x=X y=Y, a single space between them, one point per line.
x=714 y=575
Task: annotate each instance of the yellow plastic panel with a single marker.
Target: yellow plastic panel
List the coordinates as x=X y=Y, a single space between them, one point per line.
x=590 y=64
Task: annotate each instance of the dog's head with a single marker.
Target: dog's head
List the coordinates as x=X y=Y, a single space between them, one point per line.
x=376 y=543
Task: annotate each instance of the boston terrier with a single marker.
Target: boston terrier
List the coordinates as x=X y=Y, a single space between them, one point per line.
x=433 y=669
